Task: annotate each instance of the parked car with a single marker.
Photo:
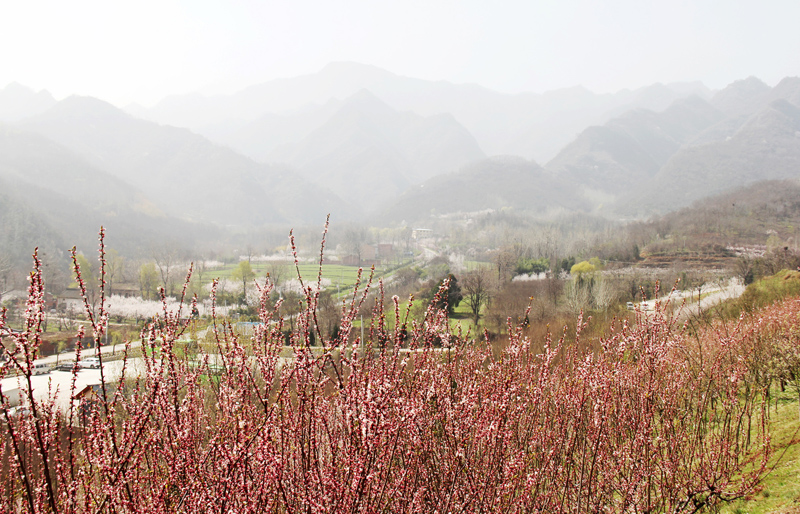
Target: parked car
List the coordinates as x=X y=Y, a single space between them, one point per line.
x=41 y=368
x=67 y=366
x=90 y=362
x=19 y=412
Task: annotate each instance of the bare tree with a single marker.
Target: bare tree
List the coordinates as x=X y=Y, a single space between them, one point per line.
x=90 y=275
x=505 y=262
x=115 y=267
x=198 y=272
x=329 y=313
x=6 y=284
x=245 y=273
x=354 y=240
x=166 y=259
x=291 y=306
x=554 y=287
x=148 y=280
x=277 y=272
x=511 y=300
x=604 y=294
x=577 y=294
x=477 y=286
x=57 y=274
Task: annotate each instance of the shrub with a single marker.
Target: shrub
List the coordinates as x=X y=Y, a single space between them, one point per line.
x=763 y=292
x=417 y=419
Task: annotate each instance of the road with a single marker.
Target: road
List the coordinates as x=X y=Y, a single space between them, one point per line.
x=710 y=295
x=86 y=352
x=716 y=295
x=92 y=352
x=56 y=384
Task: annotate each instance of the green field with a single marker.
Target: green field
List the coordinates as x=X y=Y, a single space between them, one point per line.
x=342 y=278
x=780 y=490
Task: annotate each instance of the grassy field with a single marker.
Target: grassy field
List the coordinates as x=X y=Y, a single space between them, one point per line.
x=780 y=491
x=341 y=277
x=462 y=315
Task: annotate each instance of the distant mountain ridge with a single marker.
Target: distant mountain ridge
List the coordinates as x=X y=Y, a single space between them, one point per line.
x=257 y=139
x=645 y=162
x=18 y=102
x=366 y=144
x=183 y=173
x=494 y=183
x=27 y=157
x=766 y=147
x=741 y=97
x=626 y=152
x=527 y=124
x=369 y=151
x=58 y=196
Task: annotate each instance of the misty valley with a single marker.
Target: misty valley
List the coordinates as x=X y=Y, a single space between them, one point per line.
x=359 y=291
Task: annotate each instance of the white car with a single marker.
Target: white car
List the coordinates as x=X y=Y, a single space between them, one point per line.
x=90 y=362
x=41 y=369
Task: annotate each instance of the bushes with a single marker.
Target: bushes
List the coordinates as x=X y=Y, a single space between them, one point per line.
x=652 y=421
x=762 y=293
x=527 y=266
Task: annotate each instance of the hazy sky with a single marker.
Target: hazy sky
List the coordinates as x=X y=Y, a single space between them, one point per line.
x=144 y=50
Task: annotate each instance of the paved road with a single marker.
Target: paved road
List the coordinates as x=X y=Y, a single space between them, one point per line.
x=56 y=384
x=86 y=352
x=714 y=294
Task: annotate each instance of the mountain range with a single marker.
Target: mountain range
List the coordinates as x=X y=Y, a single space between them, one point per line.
x=184 y=174
x=50 y=195
x=368 y=145
x=368 y=151
x=18 y=102
x=494 y=183
x=534 y=126
x=628 y=151
x=765 y=147
x=645 y=162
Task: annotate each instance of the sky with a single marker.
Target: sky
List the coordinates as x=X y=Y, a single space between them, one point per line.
x=142 y=51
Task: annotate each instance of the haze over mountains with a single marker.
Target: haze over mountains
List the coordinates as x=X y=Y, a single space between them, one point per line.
x=186 y=175
x=18 y=102
x=534 y=126
x=369 y=151
x=627 y=151
x=765 y=147
x=365 y=144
